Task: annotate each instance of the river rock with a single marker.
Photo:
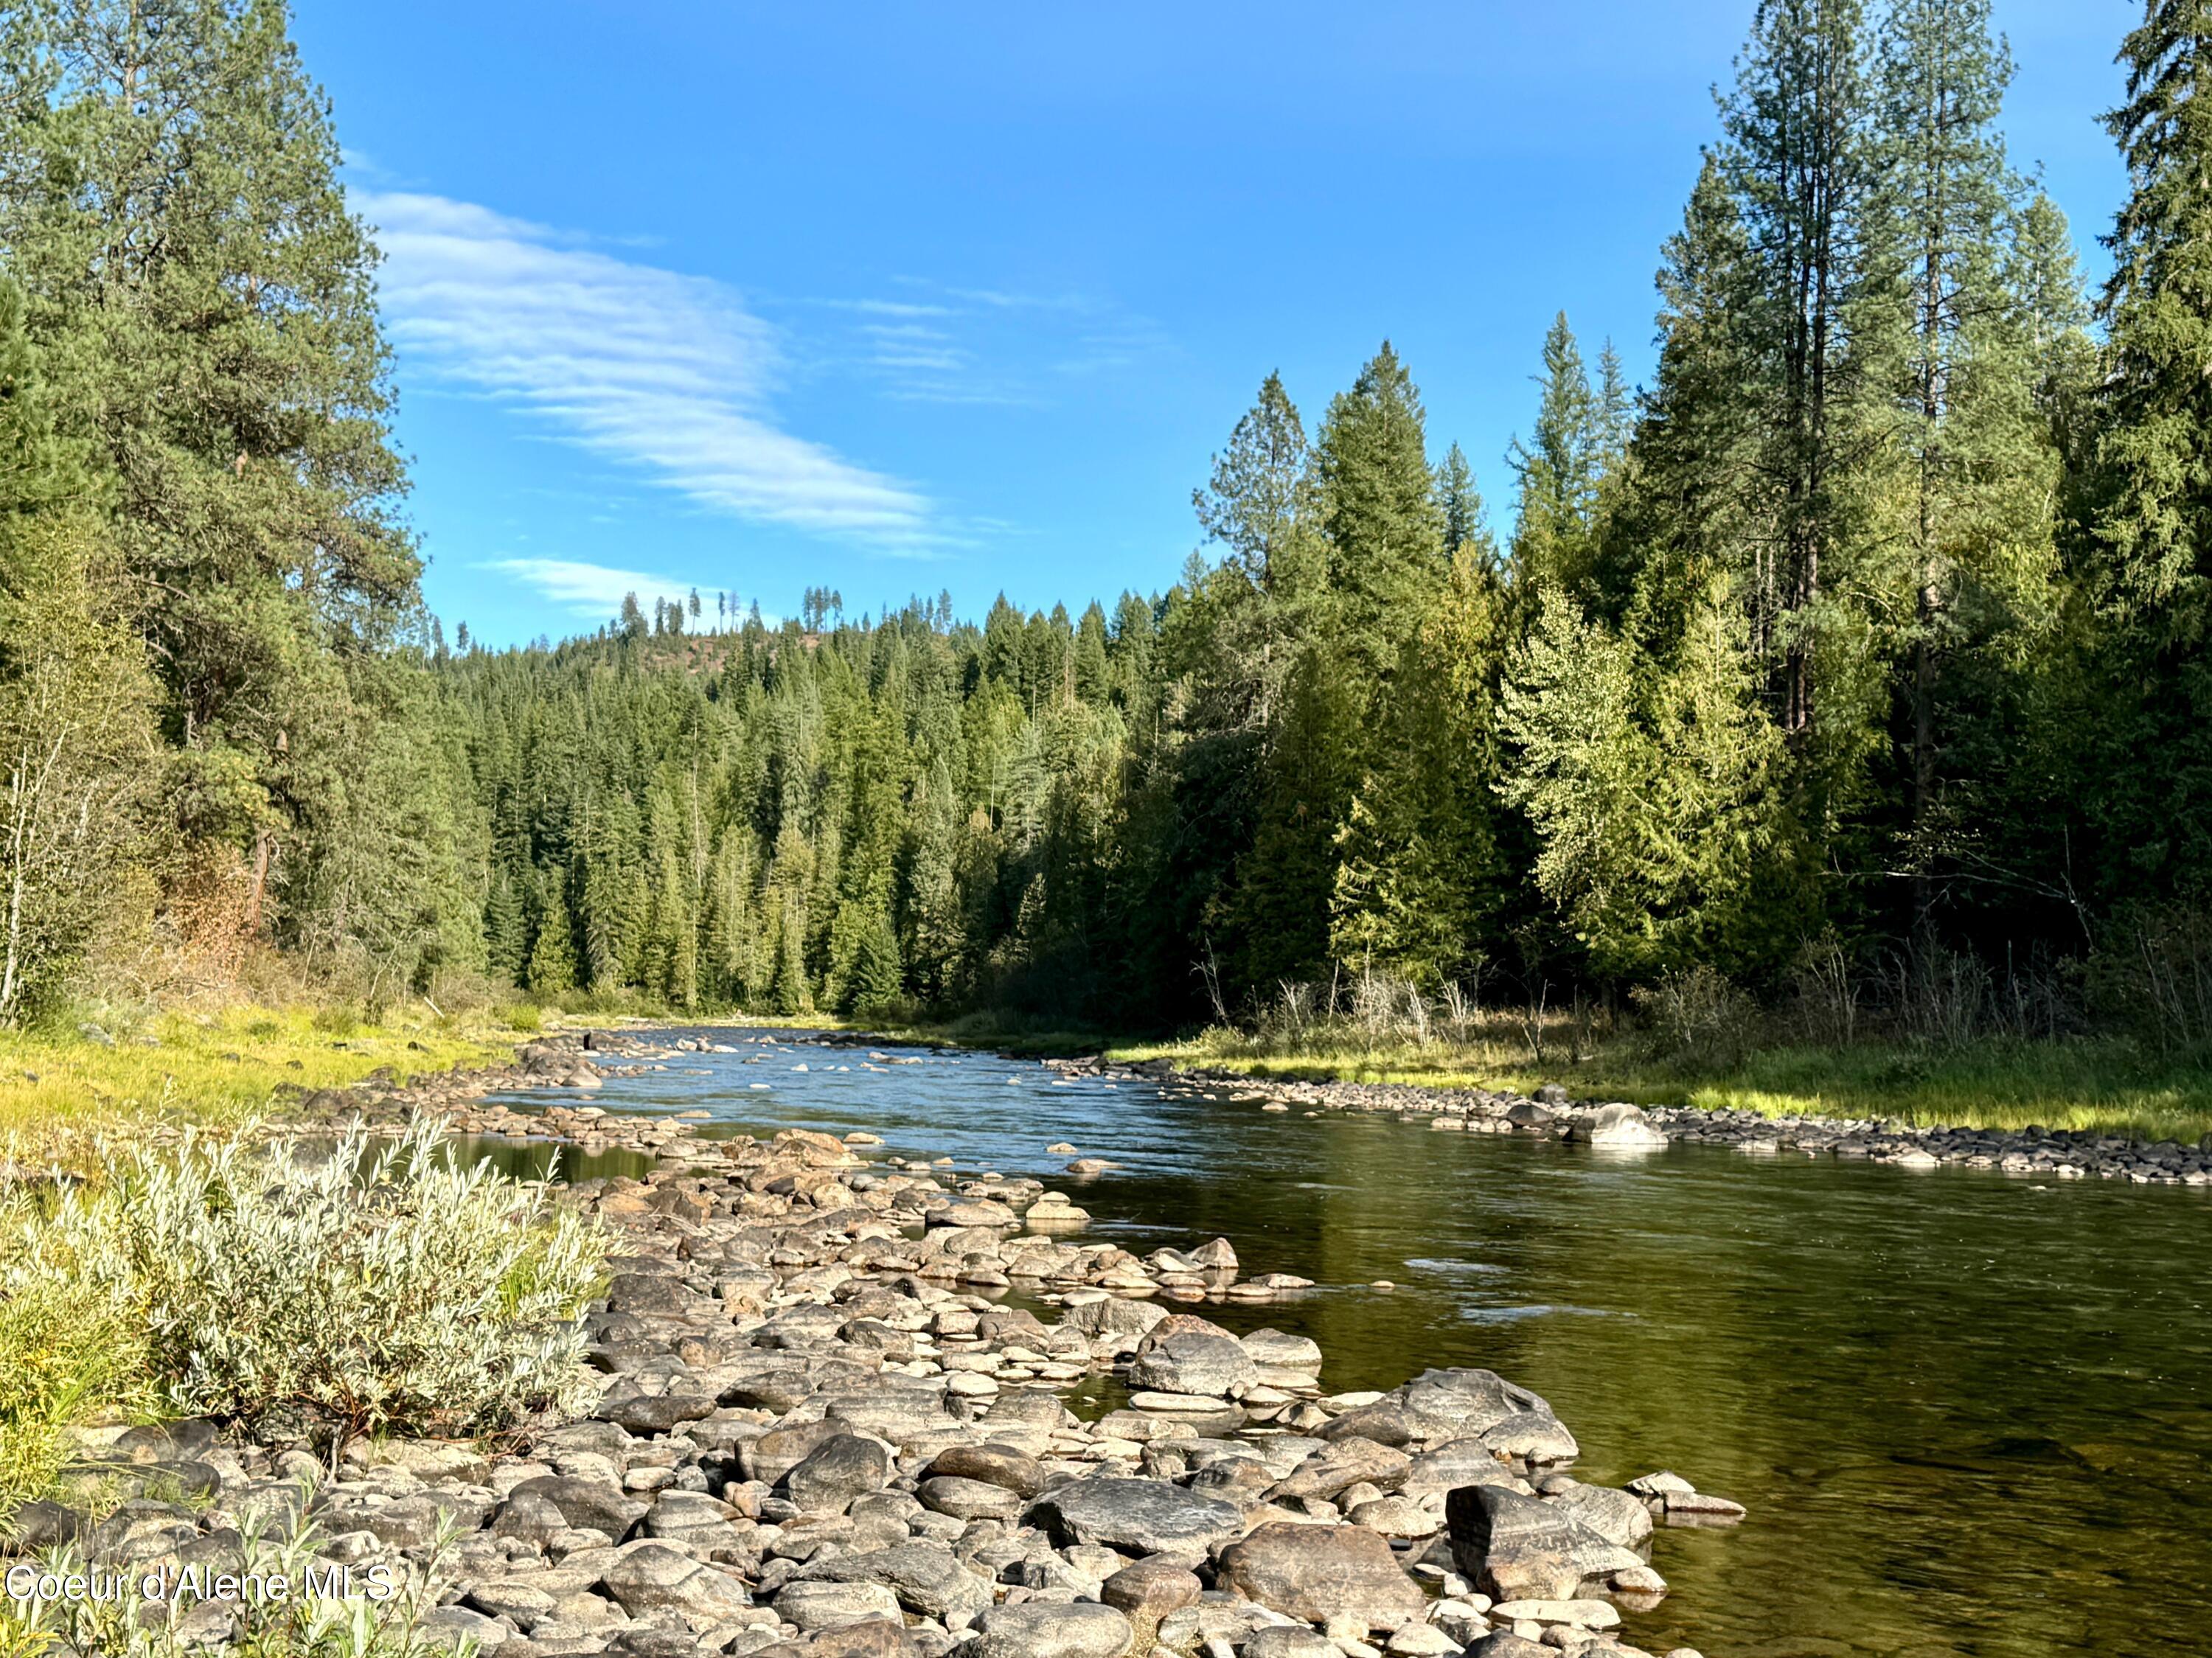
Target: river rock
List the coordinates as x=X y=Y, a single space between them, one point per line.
x=1033 y=1630
x=1535 y=1437
x=841 y=1468
x=1701 y=1509
x=1511 y=1547
x=817 y=1606
x=969 y=1499
x=1291 y=1641
x=1505 y=1643
x=928 y=1579
x=1437 y=1405
x=1616 y=1516
x=1113 y=1323
x=1317 y=1573
x=1273 y=1350
x=1195 y=1363
x=1147 y=1592
x=591 y=1504
x=1580 y=1614
x=1139 y=1517
x=654 y=1577
x=1348 y=1462
x=994 y=1465
x=1621 y=1127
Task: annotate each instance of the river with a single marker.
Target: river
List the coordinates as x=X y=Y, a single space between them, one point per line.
x=1971 y=1414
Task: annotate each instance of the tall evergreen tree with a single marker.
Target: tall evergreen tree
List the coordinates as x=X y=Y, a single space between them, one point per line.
x=1379 y=512
x=2157 y=310
x=2154 y=577
x=1982 y=470
x=1559 y=470
x=1797 y=157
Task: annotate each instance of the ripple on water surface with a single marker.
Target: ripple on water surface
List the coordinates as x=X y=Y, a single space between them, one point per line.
x=1971 y=1415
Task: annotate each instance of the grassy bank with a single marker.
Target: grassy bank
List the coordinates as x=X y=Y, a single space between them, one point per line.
x=220 y=1068
x=2104 y=1084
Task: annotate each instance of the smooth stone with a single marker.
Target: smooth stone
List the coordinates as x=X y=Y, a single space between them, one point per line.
x=1582 y=1615
x=1314 y=1573
x=1140 y=1516
x=1084 y=1630
x=817 y=1605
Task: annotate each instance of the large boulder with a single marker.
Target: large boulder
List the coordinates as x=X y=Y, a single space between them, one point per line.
x=1317 y=1573
x=653 y=1577
x=833 y=1474
x=1620 y=1128
x=1194 y=1363
x=1348 y=1462
x=1520 y=1548
x=816 y=1605
x=1147 y=1592
x=1437 y=1405
x=928 y=1580
x=1618 y=1516
x=590 y=1504
x=1138 y=1517
x=1046 y=1631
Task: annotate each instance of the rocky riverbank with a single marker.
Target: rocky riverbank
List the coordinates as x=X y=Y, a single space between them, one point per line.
x=2059 y=1154
x=2051 y=1153
x=836 y=1423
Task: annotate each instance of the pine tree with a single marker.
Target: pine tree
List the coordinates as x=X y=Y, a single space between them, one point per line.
x=1420 y=878
x=1258 y=502
x=1385 y=532
x=1279 y=921
x=1559 y=470
x=507 y=935
x=1652 y=792
x=1797 y=159
x=2153 y=575
x=552 y=968
x=2157 y=309
x=1466 y=521
x=1686 y=520
x=169 y=199
x=1984 y=472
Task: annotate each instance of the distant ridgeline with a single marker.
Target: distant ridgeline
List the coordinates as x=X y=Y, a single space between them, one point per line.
x=1877 y=623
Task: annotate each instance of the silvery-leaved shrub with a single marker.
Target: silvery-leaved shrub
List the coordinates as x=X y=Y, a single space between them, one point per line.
x=387 y=1612
x=380 y=1288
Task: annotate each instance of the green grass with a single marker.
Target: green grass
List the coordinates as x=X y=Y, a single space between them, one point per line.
x=68 y=1354
x=219 y=1069
x=2105 y=1083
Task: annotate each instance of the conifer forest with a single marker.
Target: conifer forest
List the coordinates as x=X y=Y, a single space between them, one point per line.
x=1865 y=648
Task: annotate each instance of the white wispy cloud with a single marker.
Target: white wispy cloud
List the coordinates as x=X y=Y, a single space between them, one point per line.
x=588 y=590
x=667 y=372
x=938 y=343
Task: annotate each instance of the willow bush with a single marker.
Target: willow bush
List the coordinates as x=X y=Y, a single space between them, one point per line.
x=375 y=1288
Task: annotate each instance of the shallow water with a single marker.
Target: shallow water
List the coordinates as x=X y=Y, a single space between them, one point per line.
x=1971 y=1414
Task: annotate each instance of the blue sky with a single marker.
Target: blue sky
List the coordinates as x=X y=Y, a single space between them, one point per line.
x=896 y=298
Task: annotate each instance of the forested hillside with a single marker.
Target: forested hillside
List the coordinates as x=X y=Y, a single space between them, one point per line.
x=1868 y=642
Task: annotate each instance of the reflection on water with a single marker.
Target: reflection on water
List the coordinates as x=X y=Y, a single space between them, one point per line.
x=1971 y=1415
